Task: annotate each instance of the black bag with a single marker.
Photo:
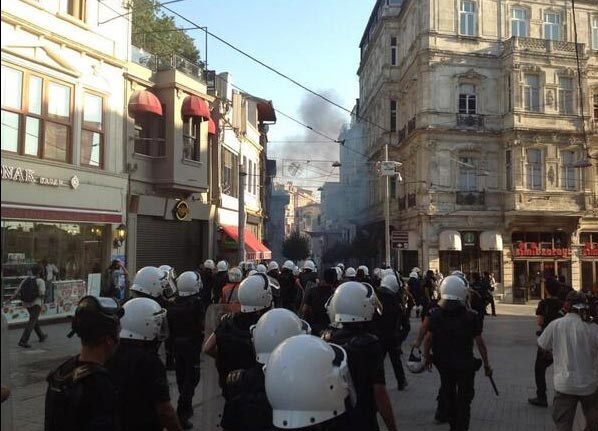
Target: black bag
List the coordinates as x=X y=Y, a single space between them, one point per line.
x=29 y=290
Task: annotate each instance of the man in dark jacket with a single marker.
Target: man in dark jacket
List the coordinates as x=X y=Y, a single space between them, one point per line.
x=314 y=304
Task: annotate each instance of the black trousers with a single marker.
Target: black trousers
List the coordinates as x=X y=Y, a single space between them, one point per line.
x=490 y=300
x=543 y=361
x=455 y=397
x=186 y=359
x=32 y=324
x=393 y=348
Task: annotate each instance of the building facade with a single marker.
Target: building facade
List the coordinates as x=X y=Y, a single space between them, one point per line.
x=480 y=101
x=63 y=180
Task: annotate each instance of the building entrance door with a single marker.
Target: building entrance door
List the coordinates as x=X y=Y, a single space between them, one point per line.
x=531 y=275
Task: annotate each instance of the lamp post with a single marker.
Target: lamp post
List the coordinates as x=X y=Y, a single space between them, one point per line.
x=387 y=212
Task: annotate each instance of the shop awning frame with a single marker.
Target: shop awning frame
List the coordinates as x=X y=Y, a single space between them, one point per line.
x=450 y=240
x=491 y=241
x=195 y=106
x=144 y=102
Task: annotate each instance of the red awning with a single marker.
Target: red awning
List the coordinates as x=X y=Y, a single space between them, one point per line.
x=144 y=102
x=194 y=106
x=211 y=127
x=253 y=246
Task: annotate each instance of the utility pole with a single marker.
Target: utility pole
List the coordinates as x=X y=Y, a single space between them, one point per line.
x=387 y=212
x=242 y=175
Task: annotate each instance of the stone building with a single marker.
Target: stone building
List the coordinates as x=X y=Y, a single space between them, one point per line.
x=480 y=101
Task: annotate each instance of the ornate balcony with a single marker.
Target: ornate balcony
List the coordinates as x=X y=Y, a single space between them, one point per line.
x=470 y=121
x=471 y=198
x=542 y=46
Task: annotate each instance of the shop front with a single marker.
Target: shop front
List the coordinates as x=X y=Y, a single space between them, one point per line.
x=228 y=245
x=589 y=260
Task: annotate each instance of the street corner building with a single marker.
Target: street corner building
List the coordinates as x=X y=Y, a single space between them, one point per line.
x=495 y=123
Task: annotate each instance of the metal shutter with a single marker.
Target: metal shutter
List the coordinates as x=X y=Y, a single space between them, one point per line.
x=168 y=242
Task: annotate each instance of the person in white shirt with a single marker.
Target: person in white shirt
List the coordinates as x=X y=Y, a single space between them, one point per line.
x=574 y=346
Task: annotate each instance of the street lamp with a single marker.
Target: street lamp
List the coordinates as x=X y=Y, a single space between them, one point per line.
x=120 y=234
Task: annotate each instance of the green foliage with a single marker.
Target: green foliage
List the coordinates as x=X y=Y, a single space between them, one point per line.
x=296 y=246
x=154 y=32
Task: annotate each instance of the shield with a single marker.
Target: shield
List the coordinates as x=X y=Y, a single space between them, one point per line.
x=214 y=314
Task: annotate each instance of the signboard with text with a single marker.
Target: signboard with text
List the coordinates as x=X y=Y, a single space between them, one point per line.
x=399 y=239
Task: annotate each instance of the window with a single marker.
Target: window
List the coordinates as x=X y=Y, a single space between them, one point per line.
x=92 y=135
x=393 y=115
x=250 y=177
x=230 y=170
x=552 y=26
x=509 y=169
x=393 y=51
x=467 y=99
x=256 y=177
x=76 y=8
x=467 y=174
x=191 y=139
x=467 y=18
x=595 y=105
x=36 y=115
x=519 y=22
x=149 y=135
x=246 y=170
x=531 y=93
x=534 y=169
x=565 y=95
x=568 y=170
x=595 y=32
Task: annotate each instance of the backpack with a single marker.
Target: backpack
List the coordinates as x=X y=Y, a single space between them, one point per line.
x=29 y=290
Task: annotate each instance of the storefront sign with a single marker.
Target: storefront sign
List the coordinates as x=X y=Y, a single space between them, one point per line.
x=589 y=251
x=20 y=175
x=469 y=239
x=531 y=249
x=181 y=210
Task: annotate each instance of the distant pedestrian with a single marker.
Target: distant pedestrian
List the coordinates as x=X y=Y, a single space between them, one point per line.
x=31 y=292
x=574 y=345
x=114 y=281
x=51 y=272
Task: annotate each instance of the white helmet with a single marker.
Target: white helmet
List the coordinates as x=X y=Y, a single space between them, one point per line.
x=303 y=392
x=350 y=272
x=235 y=275
x=462 y=276
x=413 y=274
x=309 y=265
x=416 y=269
x=288 y=264
x=385 y=272
x=222 y=266
x=296 y=271
x=209 y=264
x=353 y=302
x=376 y=273
x=255 y=293
x=261 y=269
x=391 y=282
x=365 y=270
x=273 y=328
x=341 y=266
x=453 y=288
x=144 y=319
x=272 y=266
x=154 y=282
x=339 y=273
x=169 y=269
x=415 y=364
x=188 y=283
x=252 y=272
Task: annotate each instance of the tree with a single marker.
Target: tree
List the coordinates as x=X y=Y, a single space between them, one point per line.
x=296 y=246
x=158 y=34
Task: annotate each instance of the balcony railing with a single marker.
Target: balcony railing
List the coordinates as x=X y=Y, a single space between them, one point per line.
x=542 y=46
x=151 y=147
x=474 y=121
x=159 y=63
x=471 y=198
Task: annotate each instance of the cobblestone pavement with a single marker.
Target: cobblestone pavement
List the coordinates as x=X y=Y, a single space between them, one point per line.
x=510 y=338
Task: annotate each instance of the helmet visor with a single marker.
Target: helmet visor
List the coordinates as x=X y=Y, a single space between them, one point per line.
x=162 y=324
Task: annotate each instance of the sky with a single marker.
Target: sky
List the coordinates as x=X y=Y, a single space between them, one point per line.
x=315 y=42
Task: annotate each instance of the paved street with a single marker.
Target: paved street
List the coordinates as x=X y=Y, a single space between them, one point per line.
x=510 y=338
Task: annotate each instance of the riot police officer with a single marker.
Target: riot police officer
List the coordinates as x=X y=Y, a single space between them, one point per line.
x=290 y=289
x=185 y=323
x=353 y=305
x=138 y=372
x=207 y=280
x=80 y=393
x=314 y=303
x=246 y=407
x=220 y=280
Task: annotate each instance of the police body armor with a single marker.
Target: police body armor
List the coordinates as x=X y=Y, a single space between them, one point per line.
x=183 y=321
x=289 y=294
x=235 y=349
x=452 y=343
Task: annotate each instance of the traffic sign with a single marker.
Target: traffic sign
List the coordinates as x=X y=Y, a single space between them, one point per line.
x=399 y=239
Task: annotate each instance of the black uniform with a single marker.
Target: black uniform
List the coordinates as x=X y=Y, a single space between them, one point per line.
x=235 y=349
x=290 y=294
x=220 y=280
x=316 y=300
x=207 y=282
x=454 y=329
x=185 y=323
x=550 y=309
x=80 y=396
x=140 y=378
x=308 y=280
x=366 y=365
x=392 y=327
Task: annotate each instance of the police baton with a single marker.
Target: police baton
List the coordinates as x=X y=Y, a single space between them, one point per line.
x=493 y=385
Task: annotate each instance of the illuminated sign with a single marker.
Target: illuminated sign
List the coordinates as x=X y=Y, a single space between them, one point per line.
x=20 y=175
x=531 y=249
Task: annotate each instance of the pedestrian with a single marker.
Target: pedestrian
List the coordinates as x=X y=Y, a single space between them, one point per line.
x=392 y=326
x=114 y=281
x=573 y=342
x=314 y=305
x=291 y=292
x=51 y=272
x=488 y=287
x=31 y=292
x=247 y=407
x=416 y=293
x=452 y=329
x=353 y=305
x=230 y=343
x=313 y=397
x=230 y=291
x=548 y=310
x=81 y=394
x=185 y=324
x=477 y=298
x=137 y=371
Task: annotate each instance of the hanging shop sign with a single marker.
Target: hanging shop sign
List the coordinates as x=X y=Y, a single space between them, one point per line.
x=469 y=239
x=589 y=251
x=20 y=175
x=531 y=249
x=181 y=210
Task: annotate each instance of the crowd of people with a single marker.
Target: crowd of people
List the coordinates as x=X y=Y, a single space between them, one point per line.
x=270 y=328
